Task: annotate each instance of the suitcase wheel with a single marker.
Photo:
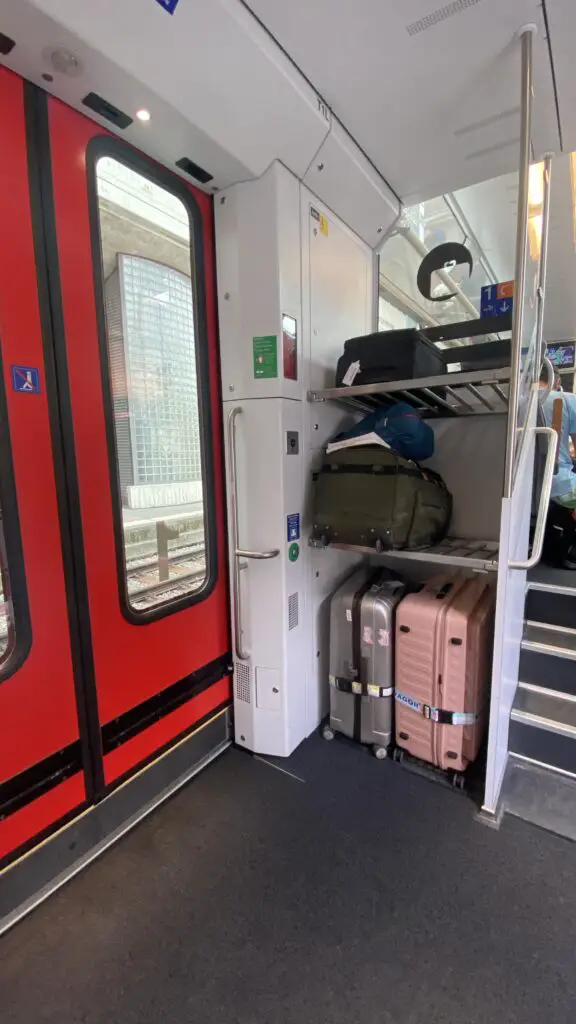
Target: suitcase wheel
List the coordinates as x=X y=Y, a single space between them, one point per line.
x=327 y=733
x=459 y=781
x=380 y=752
x=398 y=755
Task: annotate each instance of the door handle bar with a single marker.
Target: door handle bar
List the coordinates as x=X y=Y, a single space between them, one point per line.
x=549 y=467
x=257 y=554
x=239 y=552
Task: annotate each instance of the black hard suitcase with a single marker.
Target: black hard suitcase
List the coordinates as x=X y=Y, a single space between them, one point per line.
x=487 y=355
x=386 y=356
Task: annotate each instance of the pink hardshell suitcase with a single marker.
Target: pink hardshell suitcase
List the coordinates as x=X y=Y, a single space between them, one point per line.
x=443 y=662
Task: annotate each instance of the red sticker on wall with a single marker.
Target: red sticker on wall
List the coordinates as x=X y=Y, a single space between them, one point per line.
x=290 y=347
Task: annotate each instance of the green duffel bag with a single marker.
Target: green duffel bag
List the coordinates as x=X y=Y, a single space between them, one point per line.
x=371 y=497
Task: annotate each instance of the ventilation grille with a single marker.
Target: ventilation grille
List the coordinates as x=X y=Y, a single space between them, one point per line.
x=292 y=611
x=6 y=44
x=242 y=682
x=194 y=170
x=493 y=149
x=487 y=122
x=106 y=110
x=435 y=17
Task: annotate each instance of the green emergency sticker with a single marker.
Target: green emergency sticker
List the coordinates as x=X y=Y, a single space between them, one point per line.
x=265 y=356
x=293 y=552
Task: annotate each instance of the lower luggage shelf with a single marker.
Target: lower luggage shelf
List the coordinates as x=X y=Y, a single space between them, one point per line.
x=462 y=554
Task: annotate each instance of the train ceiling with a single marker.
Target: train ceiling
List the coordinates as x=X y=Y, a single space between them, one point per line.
x=428 y=90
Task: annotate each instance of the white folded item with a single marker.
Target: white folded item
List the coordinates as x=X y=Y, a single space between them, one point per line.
x=356 y=442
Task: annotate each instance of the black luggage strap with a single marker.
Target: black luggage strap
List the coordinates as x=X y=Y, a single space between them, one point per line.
x=360 y=689
x=375 y=469
x=437 y=715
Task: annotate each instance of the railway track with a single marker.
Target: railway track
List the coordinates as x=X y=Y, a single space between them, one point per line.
x=186 y=569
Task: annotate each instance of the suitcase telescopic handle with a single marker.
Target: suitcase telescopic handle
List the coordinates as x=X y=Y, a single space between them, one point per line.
x=238 y=552
x=548 y=476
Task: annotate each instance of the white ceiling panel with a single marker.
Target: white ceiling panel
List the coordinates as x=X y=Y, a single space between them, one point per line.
x=431 y=93
x=210 y=67
x=167 y=137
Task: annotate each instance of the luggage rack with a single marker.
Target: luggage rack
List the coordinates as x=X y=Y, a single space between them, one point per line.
x=479 y=555
x=452 y=394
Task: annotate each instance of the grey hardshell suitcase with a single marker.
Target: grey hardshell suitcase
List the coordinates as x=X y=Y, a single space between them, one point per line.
x=361 y=658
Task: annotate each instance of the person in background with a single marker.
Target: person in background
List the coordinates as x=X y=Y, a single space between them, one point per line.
x=563 y=491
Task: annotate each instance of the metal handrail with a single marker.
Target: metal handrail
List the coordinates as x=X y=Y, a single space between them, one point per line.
x=548 y=477
x=521 y=256
x=238 y=552
x=259 y=555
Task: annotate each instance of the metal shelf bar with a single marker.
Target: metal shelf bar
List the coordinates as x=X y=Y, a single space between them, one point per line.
x=480 y=398
x=480 y=555
x=428 y=394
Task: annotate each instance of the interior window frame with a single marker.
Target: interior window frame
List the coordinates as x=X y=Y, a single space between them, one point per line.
x=124 y=153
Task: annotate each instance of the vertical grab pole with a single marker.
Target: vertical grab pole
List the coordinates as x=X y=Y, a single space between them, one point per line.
x=521 y=256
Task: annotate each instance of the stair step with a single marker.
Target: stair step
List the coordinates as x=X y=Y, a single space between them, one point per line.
x=545 y=709
x=556 y=608
x=548 y=671
x=543 y=727
x=545 y=577
x=546 y=638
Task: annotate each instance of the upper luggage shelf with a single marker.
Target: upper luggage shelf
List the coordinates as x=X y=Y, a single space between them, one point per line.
x=458 y=379
x=449 y=394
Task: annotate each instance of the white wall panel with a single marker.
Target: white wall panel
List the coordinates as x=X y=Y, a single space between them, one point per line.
x=259 y=279
x=269 y=488
x=338 y=273
x=509 y=626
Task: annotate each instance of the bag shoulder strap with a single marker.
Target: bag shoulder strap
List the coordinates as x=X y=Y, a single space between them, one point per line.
x=557 y=412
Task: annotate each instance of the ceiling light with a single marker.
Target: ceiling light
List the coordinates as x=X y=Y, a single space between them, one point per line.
x=535 y=236
x=536 y=185
x=143 y=115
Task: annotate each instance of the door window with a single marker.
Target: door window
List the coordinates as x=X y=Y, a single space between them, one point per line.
x=152 y=345
x=7 y=630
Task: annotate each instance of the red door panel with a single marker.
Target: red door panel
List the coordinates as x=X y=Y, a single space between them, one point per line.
x=38 y=714
x=132 y=663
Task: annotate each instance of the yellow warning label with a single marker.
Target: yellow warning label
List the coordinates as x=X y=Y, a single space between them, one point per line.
x=324 y=225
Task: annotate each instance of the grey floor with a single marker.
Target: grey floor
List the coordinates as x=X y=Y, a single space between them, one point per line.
x=361 y=895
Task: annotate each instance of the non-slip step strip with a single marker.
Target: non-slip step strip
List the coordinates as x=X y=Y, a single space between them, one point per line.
x=545 y=709
x=557 y=641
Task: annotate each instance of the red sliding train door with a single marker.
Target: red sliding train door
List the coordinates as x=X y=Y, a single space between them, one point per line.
x=114 y=632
